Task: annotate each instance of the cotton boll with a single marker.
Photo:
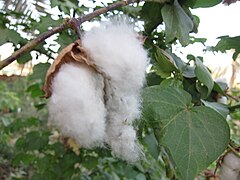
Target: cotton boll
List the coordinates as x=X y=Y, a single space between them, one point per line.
x=230 y=168
x=76 y=106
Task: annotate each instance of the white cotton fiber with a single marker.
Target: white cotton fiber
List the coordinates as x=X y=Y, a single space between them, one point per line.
x=118 y=53
x=123 y=142
x=76 y=106
x=116 y=50
x=230 y=168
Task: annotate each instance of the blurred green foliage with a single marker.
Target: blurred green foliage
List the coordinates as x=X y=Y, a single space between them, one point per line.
x=178 y=101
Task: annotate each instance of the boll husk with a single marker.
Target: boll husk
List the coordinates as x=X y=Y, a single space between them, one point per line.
x=96 y=98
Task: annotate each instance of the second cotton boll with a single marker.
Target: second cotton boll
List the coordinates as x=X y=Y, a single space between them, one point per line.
x=118 y=53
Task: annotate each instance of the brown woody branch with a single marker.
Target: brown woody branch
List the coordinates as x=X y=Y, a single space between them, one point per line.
x=67 y=24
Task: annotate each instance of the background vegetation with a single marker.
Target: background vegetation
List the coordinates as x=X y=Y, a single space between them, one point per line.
x=183 y=130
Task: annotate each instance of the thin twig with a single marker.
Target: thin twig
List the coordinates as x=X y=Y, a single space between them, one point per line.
x=231 y=96
x=67 y=24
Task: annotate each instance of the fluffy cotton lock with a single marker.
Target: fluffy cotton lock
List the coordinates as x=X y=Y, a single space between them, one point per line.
x=76 y=105
x=118 y=53
x=230 y=168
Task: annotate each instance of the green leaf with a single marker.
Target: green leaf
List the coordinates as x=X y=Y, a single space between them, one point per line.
x=153 y=79
x=202 y=89
x=204 y=75
x=65 y=38
x=173 y=82
x=33 y=141
x=165 y=64
x=220 y=87
x=151 y=14
x=35 y=90
x=24 y=58
x=40 y=71
x=186 y=70
x=227 y=43
x=152 y=145
x=206 y=3
x=90 y=162
x=140 y=176
x=26 y=159
x=220 y=108
x=9 y=35
x=46 y=23
x=178 y=23
x=195 y=136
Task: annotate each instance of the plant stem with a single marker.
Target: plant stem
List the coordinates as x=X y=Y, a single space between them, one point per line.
x=67 y=24
x=234 y=151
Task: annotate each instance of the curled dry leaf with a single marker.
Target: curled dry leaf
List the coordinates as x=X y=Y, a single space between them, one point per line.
x=72 y=53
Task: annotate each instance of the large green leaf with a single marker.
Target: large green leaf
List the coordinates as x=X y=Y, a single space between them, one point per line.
x=195 y=136
x=204 y=75
x=178 y=23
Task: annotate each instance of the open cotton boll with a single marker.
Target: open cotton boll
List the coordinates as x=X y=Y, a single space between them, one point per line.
x=116 y=51
x=123 y=141
x=76 y=106
x=230 y=168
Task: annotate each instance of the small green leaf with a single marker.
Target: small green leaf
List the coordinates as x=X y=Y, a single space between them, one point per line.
x=173 y=82
x=152 y=145
x=35 y=141
x=24 y=58
x=35 y=90
x=227 y=43
x=40 y=71
x=26 y=159
x=153 y=79
x=9 y=35
x=165 y=65
x=140 y=176
x=90 y=162
x=220 y=88
x=178 y=23
x=204 y=75
x=206 y=3
x=195 y=136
